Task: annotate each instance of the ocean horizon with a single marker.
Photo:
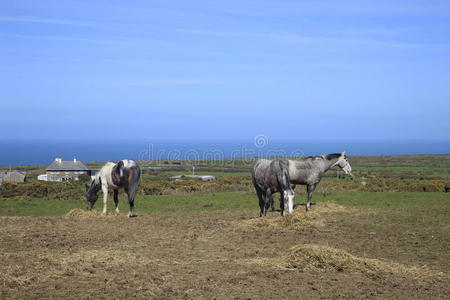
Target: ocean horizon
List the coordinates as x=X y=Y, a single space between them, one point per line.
x=15 y=152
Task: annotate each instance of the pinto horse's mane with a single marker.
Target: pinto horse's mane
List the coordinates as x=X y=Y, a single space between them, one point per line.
x=96 y=183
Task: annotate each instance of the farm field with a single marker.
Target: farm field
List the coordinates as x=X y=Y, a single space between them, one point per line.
x=142 y=143
x=352 y=244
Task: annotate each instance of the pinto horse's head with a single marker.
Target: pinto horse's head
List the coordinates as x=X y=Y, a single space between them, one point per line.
x=91 y=194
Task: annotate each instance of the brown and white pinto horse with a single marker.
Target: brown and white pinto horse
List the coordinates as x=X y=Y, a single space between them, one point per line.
x=125 y=174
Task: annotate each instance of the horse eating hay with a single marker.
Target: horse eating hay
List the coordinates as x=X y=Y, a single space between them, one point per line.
x=269 y=177
x=125 y=174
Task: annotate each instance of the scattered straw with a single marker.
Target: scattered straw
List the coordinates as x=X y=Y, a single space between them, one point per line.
x=300 y=218
x=77 y=213
x=317 y=258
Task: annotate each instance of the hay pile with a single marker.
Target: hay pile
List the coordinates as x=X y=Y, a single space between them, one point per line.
x=317 y=258
x=77 y=213
x=300 y=218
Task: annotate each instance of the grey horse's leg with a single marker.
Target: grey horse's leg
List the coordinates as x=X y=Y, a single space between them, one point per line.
x=293 y=186
x=272 y=204
x=309 y=190
x=268 y=200
x=261 y=198
x=282 y=203
x=116 y=200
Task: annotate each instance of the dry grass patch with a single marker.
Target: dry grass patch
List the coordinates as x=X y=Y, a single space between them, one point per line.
x=317 y=258
x=77 y=213
x=300 y=218
x=81 y=268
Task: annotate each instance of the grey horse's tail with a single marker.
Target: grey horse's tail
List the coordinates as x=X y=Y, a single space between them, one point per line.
x=285 y=174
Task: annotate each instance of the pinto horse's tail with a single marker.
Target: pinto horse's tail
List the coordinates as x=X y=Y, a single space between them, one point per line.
x=120 y=168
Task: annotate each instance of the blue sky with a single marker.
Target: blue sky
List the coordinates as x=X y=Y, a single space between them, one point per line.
x=225 y=69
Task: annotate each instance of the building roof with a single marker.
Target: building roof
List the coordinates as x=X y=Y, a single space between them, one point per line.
x=19 y=175
x=67 y=166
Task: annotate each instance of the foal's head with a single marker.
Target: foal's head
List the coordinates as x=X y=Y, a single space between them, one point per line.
x=92 y=194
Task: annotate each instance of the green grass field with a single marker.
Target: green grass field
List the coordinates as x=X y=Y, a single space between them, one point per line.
x=185 y=203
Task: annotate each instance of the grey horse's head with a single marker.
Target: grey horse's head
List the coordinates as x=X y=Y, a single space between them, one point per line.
x=92 y=194
x=344 y=164
x=289 y=196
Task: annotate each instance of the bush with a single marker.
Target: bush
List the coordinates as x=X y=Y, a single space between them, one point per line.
x=42 y=189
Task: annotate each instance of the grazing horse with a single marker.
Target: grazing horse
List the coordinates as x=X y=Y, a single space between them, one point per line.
x=125 y=174
x=309 y=171
x=269 y=177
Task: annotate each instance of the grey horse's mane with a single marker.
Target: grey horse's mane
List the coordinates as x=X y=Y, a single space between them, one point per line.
x=332 y=156
x=327 y=157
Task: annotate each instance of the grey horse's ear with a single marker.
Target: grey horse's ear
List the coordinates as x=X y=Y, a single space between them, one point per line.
x=343 y=153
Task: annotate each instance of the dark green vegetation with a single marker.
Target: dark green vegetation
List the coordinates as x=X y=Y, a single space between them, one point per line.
x=415 y=173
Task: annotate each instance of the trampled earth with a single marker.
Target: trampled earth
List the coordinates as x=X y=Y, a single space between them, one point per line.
x=216 y=254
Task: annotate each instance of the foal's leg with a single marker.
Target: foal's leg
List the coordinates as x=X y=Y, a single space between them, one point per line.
x=309 y=190
x=116 y=200
x=105 y=198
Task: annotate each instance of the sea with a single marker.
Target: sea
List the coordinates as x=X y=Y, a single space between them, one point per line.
x=15 y=152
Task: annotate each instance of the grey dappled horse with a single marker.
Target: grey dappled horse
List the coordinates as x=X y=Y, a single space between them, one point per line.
x=125 y=174
x=269 y=177
x=309 y=170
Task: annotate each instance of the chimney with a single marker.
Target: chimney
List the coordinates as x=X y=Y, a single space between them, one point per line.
x=74 y=160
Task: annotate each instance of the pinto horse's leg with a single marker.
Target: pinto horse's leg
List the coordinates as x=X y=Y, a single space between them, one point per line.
x=309 y=190
x=131 y=187
x=105 y=197
x=116 y=200
x=131 y=192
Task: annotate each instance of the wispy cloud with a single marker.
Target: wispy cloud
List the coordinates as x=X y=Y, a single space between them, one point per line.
x=62 y=38
x=320 y=8
x=317 y=39
x=28 y=19
x=351 y=66
x=186 y=81
x=380 y=37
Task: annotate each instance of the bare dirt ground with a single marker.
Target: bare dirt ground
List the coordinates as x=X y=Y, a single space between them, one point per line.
x=223 y=255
